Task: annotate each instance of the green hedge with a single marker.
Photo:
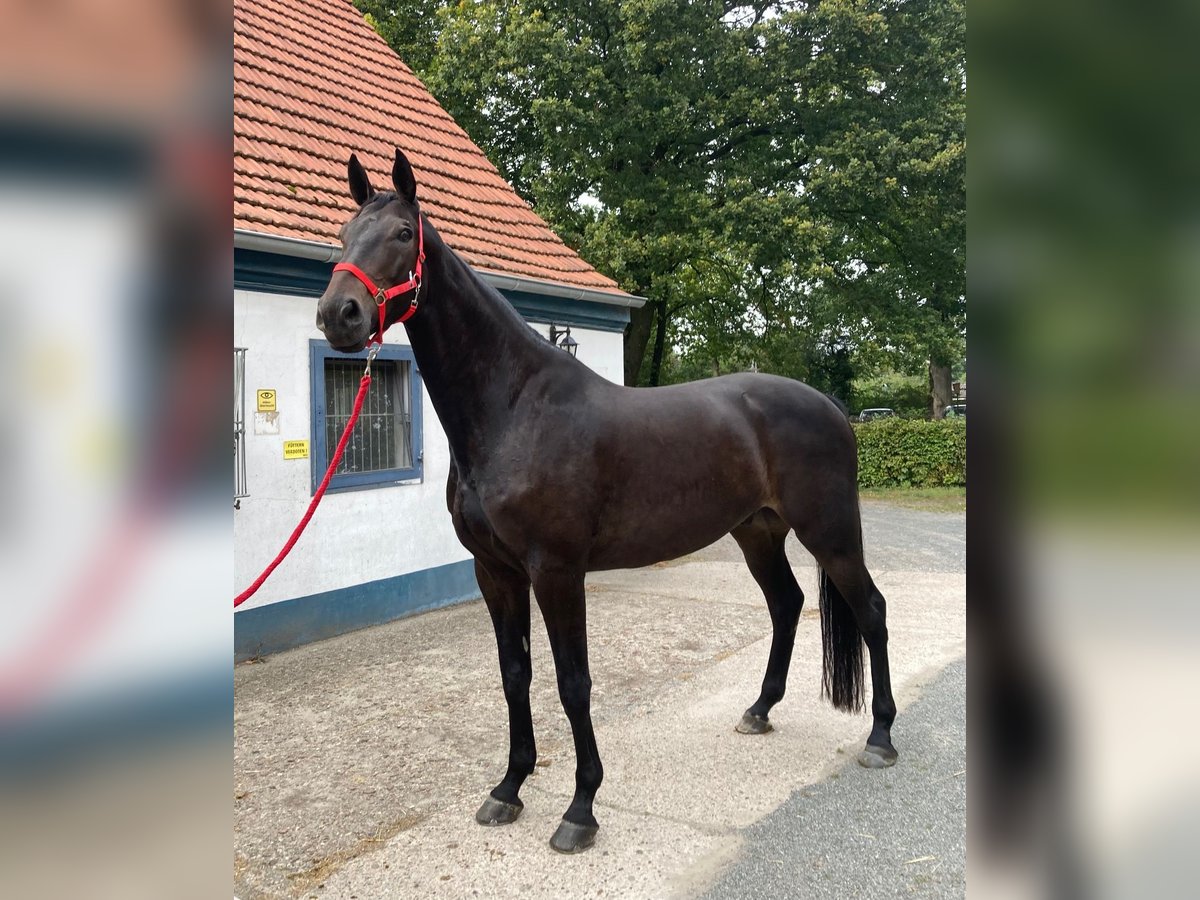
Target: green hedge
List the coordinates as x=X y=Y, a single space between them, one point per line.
x=912 y=453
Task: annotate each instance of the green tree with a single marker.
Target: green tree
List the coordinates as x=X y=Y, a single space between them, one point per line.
x=641 y=130
x=781 y=180
x=889 y=144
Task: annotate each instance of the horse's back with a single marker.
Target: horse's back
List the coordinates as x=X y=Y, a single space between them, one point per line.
x=690 y=462
x=781 y=412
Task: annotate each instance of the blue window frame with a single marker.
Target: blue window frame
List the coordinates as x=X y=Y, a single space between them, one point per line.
x=385 y=447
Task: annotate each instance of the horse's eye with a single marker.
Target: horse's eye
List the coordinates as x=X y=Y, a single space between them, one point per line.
x=406 y=234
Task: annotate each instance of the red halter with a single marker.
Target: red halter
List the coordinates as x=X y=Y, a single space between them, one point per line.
x=382 y=296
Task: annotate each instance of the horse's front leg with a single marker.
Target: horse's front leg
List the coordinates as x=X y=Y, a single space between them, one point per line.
x=506 y=593
x=560 y=595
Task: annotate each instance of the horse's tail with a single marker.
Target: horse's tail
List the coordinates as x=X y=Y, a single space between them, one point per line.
x=842 y=648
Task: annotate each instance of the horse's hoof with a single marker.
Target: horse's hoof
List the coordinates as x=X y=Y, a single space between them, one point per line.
x=572 y=838
x=752 y=724
x=874 y=757
x=498 y=812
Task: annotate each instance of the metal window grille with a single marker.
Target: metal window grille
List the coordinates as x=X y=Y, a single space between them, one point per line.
x=239 y=423
x=383 y=436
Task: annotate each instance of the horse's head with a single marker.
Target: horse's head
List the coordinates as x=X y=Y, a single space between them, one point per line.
x=381 y=241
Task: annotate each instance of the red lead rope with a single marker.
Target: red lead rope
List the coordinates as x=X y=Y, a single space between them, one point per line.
x=312 y=506
x=381 y=297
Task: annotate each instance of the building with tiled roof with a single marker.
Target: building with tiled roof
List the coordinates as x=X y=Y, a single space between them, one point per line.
x=314 y=83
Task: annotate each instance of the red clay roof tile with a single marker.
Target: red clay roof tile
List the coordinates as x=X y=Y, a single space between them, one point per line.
x=313 y=82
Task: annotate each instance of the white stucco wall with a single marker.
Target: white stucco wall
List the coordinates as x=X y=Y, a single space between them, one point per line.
x=356 y=536
x=602 y=351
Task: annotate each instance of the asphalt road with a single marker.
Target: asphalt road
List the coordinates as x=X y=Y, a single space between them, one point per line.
x=871 y=833
x=899 y=832
x=895 y=539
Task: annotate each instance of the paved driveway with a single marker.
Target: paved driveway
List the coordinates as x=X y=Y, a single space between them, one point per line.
x=359 y=761
x=901 y=833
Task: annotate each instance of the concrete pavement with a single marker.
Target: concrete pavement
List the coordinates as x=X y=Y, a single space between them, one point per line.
x=359 y=761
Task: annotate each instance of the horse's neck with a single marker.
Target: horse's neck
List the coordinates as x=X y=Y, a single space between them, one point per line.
x=474 y=350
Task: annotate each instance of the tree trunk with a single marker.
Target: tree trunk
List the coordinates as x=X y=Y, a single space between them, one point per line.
x=660 y=339
x=637 y=336
x=939 y=388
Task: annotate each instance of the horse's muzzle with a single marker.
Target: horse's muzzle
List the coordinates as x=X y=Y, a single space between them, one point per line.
x=342 y=320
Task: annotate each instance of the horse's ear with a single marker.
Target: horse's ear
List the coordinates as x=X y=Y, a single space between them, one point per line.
x=403 y=179
x=360 y=184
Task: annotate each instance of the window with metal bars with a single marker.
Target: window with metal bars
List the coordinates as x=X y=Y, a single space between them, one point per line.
x=385 y=446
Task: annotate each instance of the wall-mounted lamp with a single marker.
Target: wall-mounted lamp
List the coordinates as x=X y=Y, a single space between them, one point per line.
x=563 y=340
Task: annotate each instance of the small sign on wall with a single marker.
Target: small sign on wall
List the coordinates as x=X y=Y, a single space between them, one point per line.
x=266 y=400
x=295 y=449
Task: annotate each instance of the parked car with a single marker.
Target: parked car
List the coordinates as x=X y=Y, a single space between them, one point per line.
x=955 y=409
x=880 y=413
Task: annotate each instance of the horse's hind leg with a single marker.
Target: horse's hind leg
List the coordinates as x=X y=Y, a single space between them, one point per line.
x=506 y=593
x=852 y=585
x=761 y=538
x=853 y=611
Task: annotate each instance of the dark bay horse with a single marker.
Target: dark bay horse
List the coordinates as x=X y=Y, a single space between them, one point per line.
x=556 y=472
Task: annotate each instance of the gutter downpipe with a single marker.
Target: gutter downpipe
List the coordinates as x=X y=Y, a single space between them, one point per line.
x=321 y=252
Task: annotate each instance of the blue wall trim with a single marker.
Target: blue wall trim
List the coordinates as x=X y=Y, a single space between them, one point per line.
x=254 y=270
x=580 y=313
x=290 y=623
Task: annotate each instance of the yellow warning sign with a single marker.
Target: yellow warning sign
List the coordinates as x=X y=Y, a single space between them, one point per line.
x=295 y=449
x=266 y=400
